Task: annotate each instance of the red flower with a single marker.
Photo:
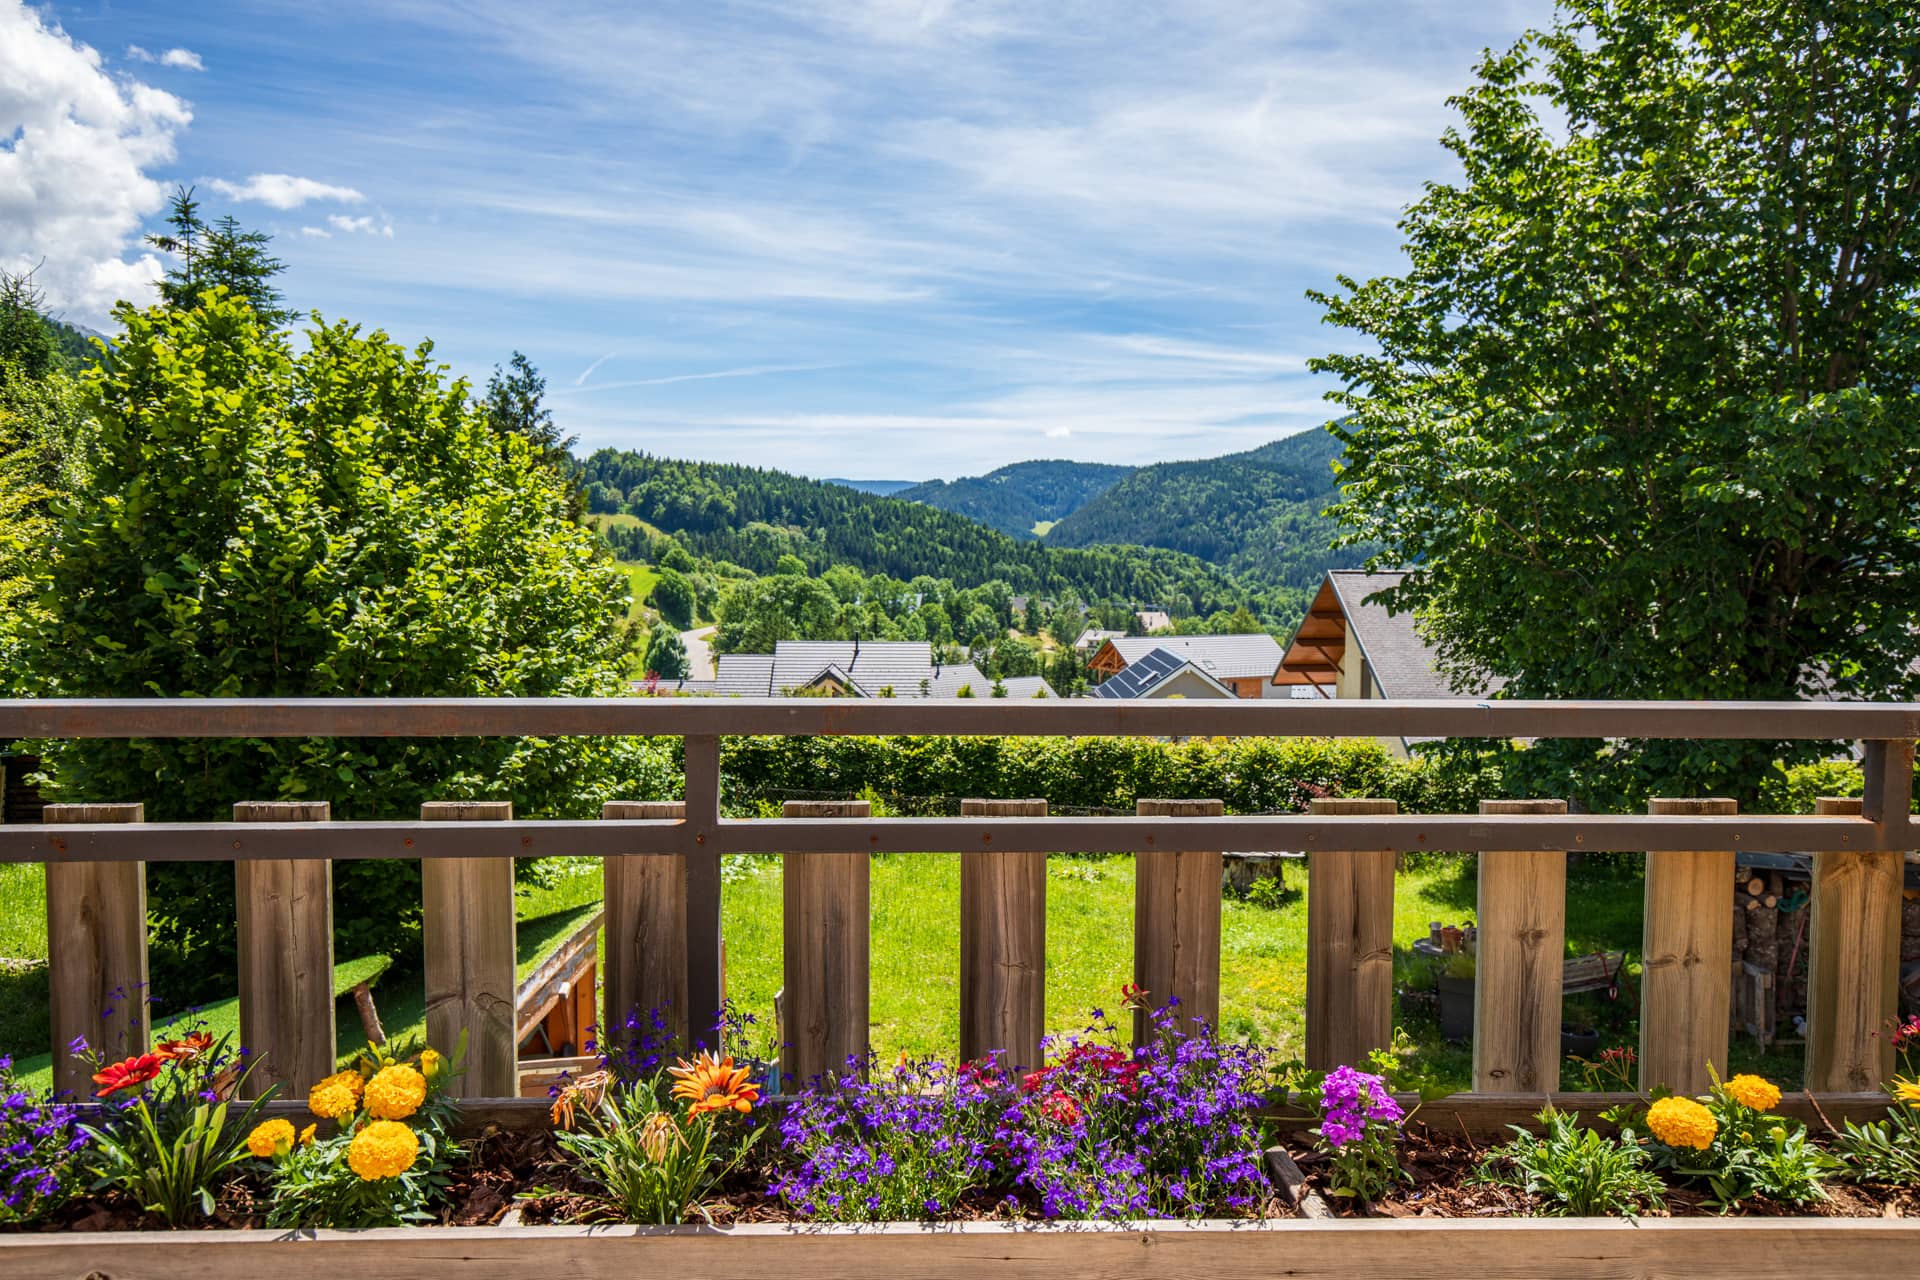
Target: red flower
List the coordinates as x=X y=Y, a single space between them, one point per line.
x=1133 y=995
x=1034 y=1080
x=1057 y=1106
x=185 y=1049
x=1907 y=1033
x=129 y=1074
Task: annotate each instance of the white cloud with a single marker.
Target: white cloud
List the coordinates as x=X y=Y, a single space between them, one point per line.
x=316 y=233
x=587 y=372
x=184 y=59
x=284 y=191
x=74 y=183
x=364 y=225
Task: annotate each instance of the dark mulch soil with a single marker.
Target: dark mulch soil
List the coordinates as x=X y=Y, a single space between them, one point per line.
x=1441 y=1168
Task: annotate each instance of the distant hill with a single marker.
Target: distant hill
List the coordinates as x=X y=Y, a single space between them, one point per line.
x=752 y=517
x=879 y=488
x=1255 y=513
x=75 y=342
x=1023 y=500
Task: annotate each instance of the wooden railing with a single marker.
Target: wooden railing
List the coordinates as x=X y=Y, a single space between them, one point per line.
x=663 y=878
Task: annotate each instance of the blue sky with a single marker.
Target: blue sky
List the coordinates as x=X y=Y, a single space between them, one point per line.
x=871 y=238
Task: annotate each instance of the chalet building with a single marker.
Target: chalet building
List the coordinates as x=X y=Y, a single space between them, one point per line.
x=1092 y=638
x=1351 y=646
x=1240 y=665
x=1152 y=620
x=856 y=669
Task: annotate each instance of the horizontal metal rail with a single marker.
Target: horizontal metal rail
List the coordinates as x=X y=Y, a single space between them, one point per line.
x=643 y=717
x=347 y=841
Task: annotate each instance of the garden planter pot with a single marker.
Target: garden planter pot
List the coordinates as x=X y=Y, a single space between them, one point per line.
x=1568 y=1249
x=1456 y=1007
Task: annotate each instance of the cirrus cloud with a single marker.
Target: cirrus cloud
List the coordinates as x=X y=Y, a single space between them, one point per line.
x=285 y=191
x=184 y=59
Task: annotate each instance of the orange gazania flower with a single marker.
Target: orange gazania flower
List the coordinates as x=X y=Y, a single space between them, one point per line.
x=581 y=1091
x=185 y=1049
x=713 y=1084
x=128 y=1074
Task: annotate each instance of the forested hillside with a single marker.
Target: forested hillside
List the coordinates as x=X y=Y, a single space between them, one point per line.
x=753 y=517
x=1021 y=500
x=1255 y=513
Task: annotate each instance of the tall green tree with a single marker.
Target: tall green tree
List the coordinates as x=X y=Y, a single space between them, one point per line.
x=336 y=522
x=216 y=255
x=516 y=406
x=667 y=654
x=1643 y=413
x=27 y=346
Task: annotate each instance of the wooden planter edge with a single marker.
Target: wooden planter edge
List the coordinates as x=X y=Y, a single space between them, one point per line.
x=1569 y=1249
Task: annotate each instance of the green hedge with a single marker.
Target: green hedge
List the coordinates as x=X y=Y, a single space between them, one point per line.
x=1250 y=775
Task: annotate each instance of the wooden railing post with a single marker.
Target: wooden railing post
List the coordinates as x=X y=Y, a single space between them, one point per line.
x=469 y=942
x=1003 y=944
x=284 y=910
x=706 y=978
x=1853 y=963
x=646 y=901
x=1687 y=959
x=1176 y=923
x=1520 y=963
x=96 y=950
x=827 y=902
x=1349 y=945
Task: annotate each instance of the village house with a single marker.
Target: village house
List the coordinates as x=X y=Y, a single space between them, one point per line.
x=1188 y=666
x=855 y=669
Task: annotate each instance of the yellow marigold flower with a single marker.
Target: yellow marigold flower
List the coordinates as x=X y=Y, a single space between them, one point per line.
x=271 y=1138
x=1682 y=1122
x=396 y=1092
x=384 y=1149
x=713 y=1084
x=331 y=1100
x=1753 y=1091
x=306 y=1135
x=430 y=1063
x=1907 y=1091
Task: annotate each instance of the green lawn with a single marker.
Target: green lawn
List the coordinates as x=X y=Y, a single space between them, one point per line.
x=641 y=577
x=915 y=952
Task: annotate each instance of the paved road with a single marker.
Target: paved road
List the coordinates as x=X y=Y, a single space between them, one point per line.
x=699 y=652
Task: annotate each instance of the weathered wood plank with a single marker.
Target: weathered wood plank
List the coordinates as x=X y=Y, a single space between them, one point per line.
x=1519 y=963
x=697 y=843
x=1853 y=963
x=469 y=935
x=1176 y=922
x=827 y=898
x=646 y=931
x=96 y=950
x=1502 y=1249
x=284 y=914
x=1003 y=944
x=1349 y=945
x=1687 y=959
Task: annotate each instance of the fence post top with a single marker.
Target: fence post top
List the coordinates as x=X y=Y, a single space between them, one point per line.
x=1492 y=807
x=1694 y=806
x=467 y=811
x=1354 y=806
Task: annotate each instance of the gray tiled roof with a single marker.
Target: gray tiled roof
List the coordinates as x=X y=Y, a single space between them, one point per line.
x=1151 y=670
x=1027 y=687
x=1402 y=661
x=1222 y=657
x=870 y=666
x=1090 y=639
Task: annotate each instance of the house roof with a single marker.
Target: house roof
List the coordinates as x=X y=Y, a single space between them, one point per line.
x=1093 y=638
x=863 y=668
x=1026 y=687
x=1150 y=670
x=1222 y=657
x=1346 y=613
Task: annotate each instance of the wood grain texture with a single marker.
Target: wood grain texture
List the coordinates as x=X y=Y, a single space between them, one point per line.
x=1687 y=959
x=827 y=898
x=1519 y=963
x=1510 y=1249
x=1176 y=922
x=1853 y=963
x=696 y=843
x=646 y=901
x=1003 y=944
x=96 y=950
x=284 y=914
x=1349 y=945
x=468 y=934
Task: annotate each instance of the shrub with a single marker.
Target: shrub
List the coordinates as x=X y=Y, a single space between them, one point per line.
x=1575 y=1171
x=385 y=1162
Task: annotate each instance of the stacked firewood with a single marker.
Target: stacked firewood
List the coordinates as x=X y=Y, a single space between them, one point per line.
x=1771 y=915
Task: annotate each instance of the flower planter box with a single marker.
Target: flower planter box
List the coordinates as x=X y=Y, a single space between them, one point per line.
x=1568 y=1249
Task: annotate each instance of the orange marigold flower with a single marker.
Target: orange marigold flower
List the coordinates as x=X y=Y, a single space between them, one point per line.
x=395 y=1092
x=271 y=1138
x=336 y=1097
x=186 y=1048
x=306 y=1135
x=1682 y=1122
x=1753 y=1091
x=128 y=1074
x=713 y=1084
x=384 y=1149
